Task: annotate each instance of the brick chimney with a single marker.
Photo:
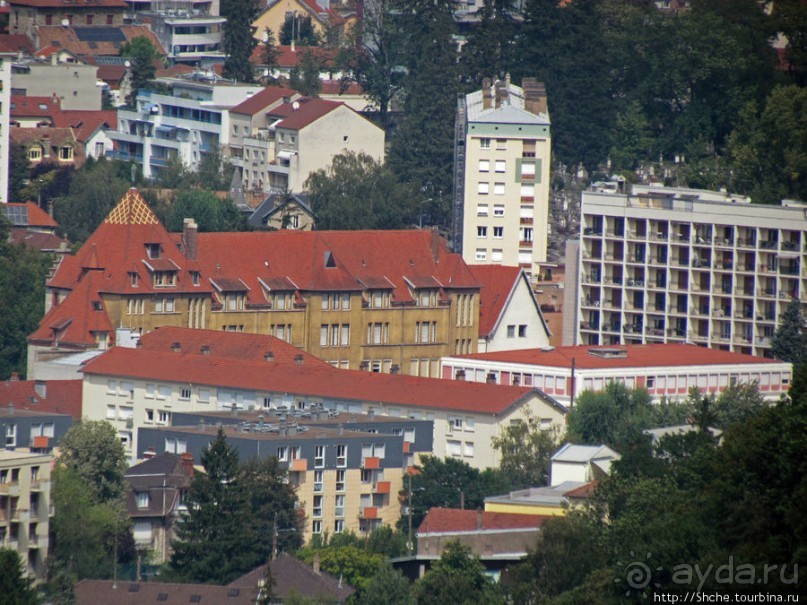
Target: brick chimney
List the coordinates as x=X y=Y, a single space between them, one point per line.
x=479 y=518
x=149 y=454
x=486 y=97
x=187 y=463
x=190 y=232
x=534 y=95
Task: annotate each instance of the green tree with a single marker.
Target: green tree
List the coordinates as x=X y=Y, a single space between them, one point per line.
x=632 y=142
x=22 y=297
x=300 y=30
x=352 y=563
x=209 y=212
x=18 y=168
x=93 y=449
x=215 y=171
x=142 y=55
x=270 y=55
x=614 y=416
x=525 y=451
x=789 y=341
x=175 y=175
x=431 y=85
x=305 y=76
x=767 y=148
x=491 y=46
x=457 y=578
x=94 y=191
x=387 y=587
x=357 y=192
x=233 y=511
x=15 y=588
x=737 y=404
x=238 y=41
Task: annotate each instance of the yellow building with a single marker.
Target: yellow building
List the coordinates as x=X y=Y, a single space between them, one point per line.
x=381 y=301
x=333 y=22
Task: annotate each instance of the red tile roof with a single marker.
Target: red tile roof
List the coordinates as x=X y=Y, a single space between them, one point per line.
x=336 y=87
x=61 y=396
x=263 y=99
x=44 y=242
x=307 y=112
x=78 y=317
x=311 y=377
x=647 y=355
x=67 y=4
x=109 y=592
x=51 y=139
x=66 y=38
x=497 y=283
x=17 y=42
x=86 y=123
x=36 y=217
x=450 y=520
x=34 y=107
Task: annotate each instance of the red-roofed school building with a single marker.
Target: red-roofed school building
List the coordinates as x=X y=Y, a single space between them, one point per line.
x=665 y=370
x=382 y=301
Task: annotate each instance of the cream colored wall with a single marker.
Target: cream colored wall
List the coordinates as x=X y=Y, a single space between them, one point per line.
x=521 y=310
x=338 y=131
x=274 y=17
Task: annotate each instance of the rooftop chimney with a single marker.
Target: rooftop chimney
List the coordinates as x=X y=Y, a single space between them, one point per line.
x=190 y=232
x=479 y=518
x=149 y=454
x=187 y=463
x=486 y=100
x=41 y=389
x=15 y=376
x=534 y=96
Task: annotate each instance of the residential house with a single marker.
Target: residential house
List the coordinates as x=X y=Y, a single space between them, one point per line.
x=73 y=84
x=155 y=499
x=665 y=370
x=27 y=16
x=293 y=139
x=55 y=397
x=92 y=44
x=581 y=463
x=177 y=370
x=183 y=125
x=25 y=507
x=330 y=20
x=684 y=265
x=501 y=174
x=552 y=501
x=279 y=211
x=509 y=315
x=376 y=300
x=32 y=226
x=49 y=145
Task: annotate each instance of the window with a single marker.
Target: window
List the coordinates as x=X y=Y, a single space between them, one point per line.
x=65 y=153
x=334 y=335
x=338 y=526
x=522 y=331
x=501 y=166
x=164 y=305
x=164 y=392
x=345 y=337
x=341 y=455
x=323 y=335
x=484 y=143
x=317 y=512
x=174 y=445
x=35 y=153
x=195 y=277
x=454 y=423
x=111 y=387
x=498 y=232
x=11 y=435
x=498 y=188
x=340 y=480
x=484 y=165
x=528 y=191
x=149 y=391
x=498 y=210
x=470 y=424
x=481 y=254
x=481 y=232
x=153 y=250
x=511 y=331
x=142 y=499
x=316 y=527
x=501 y=144
x=483 y=188
x=377 y=333
x=149 y=416
x=319 y=456
x=528 y=170
x=89 y=19
x=184 y=393
x=203 y=395
x=425 y=331
x=366 y=476
x=318 y=481
x=496 y=255
x=481 y=210
x=163 y=417
x=453 y=448
x=339 y=506
x=109 y=19
x=133 y=279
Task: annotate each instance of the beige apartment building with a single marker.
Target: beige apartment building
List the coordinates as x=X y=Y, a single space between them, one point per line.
x=501 y=171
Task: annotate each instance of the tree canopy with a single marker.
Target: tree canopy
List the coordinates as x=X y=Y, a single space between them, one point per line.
x=457 y=578
x=357 y=192
x=142 y=55
x=238 y=41
x=525 y=451
x=14 y=586
x=209 y=212
x=93 y=449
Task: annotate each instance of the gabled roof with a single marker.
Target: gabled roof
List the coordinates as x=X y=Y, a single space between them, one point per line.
x=292 y=576
x=575 y=453
x=304 y=112
x=34 y=107
x=61 y=396
x=636 y=356
x=28 y=214
x=17 y=42
x=307 y=377
x=75 y=321
x=86 y=123
x=44 y=242
x=275 y=203
x=497 y=283
x=110 y=592
x=263 y=100
x=454 y=520
x=97 y=42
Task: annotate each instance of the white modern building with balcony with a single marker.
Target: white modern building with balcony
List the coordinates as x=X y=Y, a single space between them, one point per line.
x=683 y=265
x=189 y=30
x=182 y=126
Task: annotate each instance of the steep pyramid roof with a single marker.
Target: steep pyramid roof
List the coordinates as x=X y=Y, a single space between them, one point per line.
x=132 y=210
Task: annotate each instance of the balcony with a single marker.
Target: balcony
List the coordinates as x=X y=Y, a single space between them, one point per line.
x=371 y=463
x=298 y=465
x=10 y=489
x=369 y=512
x=382 y=487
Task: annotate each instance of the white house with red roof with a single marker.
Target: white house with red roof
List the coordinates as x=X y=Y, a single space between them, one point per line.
x=665 y=370
x=509 y=314
x=279 y=138
x=182 y=370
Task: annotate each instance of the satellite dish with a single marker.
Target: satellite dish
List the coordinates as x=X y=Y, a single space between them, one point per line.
x=295 y=106
x=127 y=64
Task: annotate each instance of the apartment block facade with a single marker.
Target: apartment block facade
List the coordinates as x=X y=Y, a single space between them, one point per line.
x=501 y=175
x=678 y=265
x=25 y=507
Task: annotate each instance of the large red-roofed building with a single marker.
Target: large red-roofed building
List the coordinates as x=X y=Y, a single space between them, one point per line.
x=665 y=370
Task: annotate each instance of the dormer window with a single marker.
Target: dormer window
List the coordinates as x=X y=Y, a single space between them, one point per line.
x=427 y=298
x=165 y=279
x=153 y=250
x=96 y=305
x=195 y=278
x=134 y=279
